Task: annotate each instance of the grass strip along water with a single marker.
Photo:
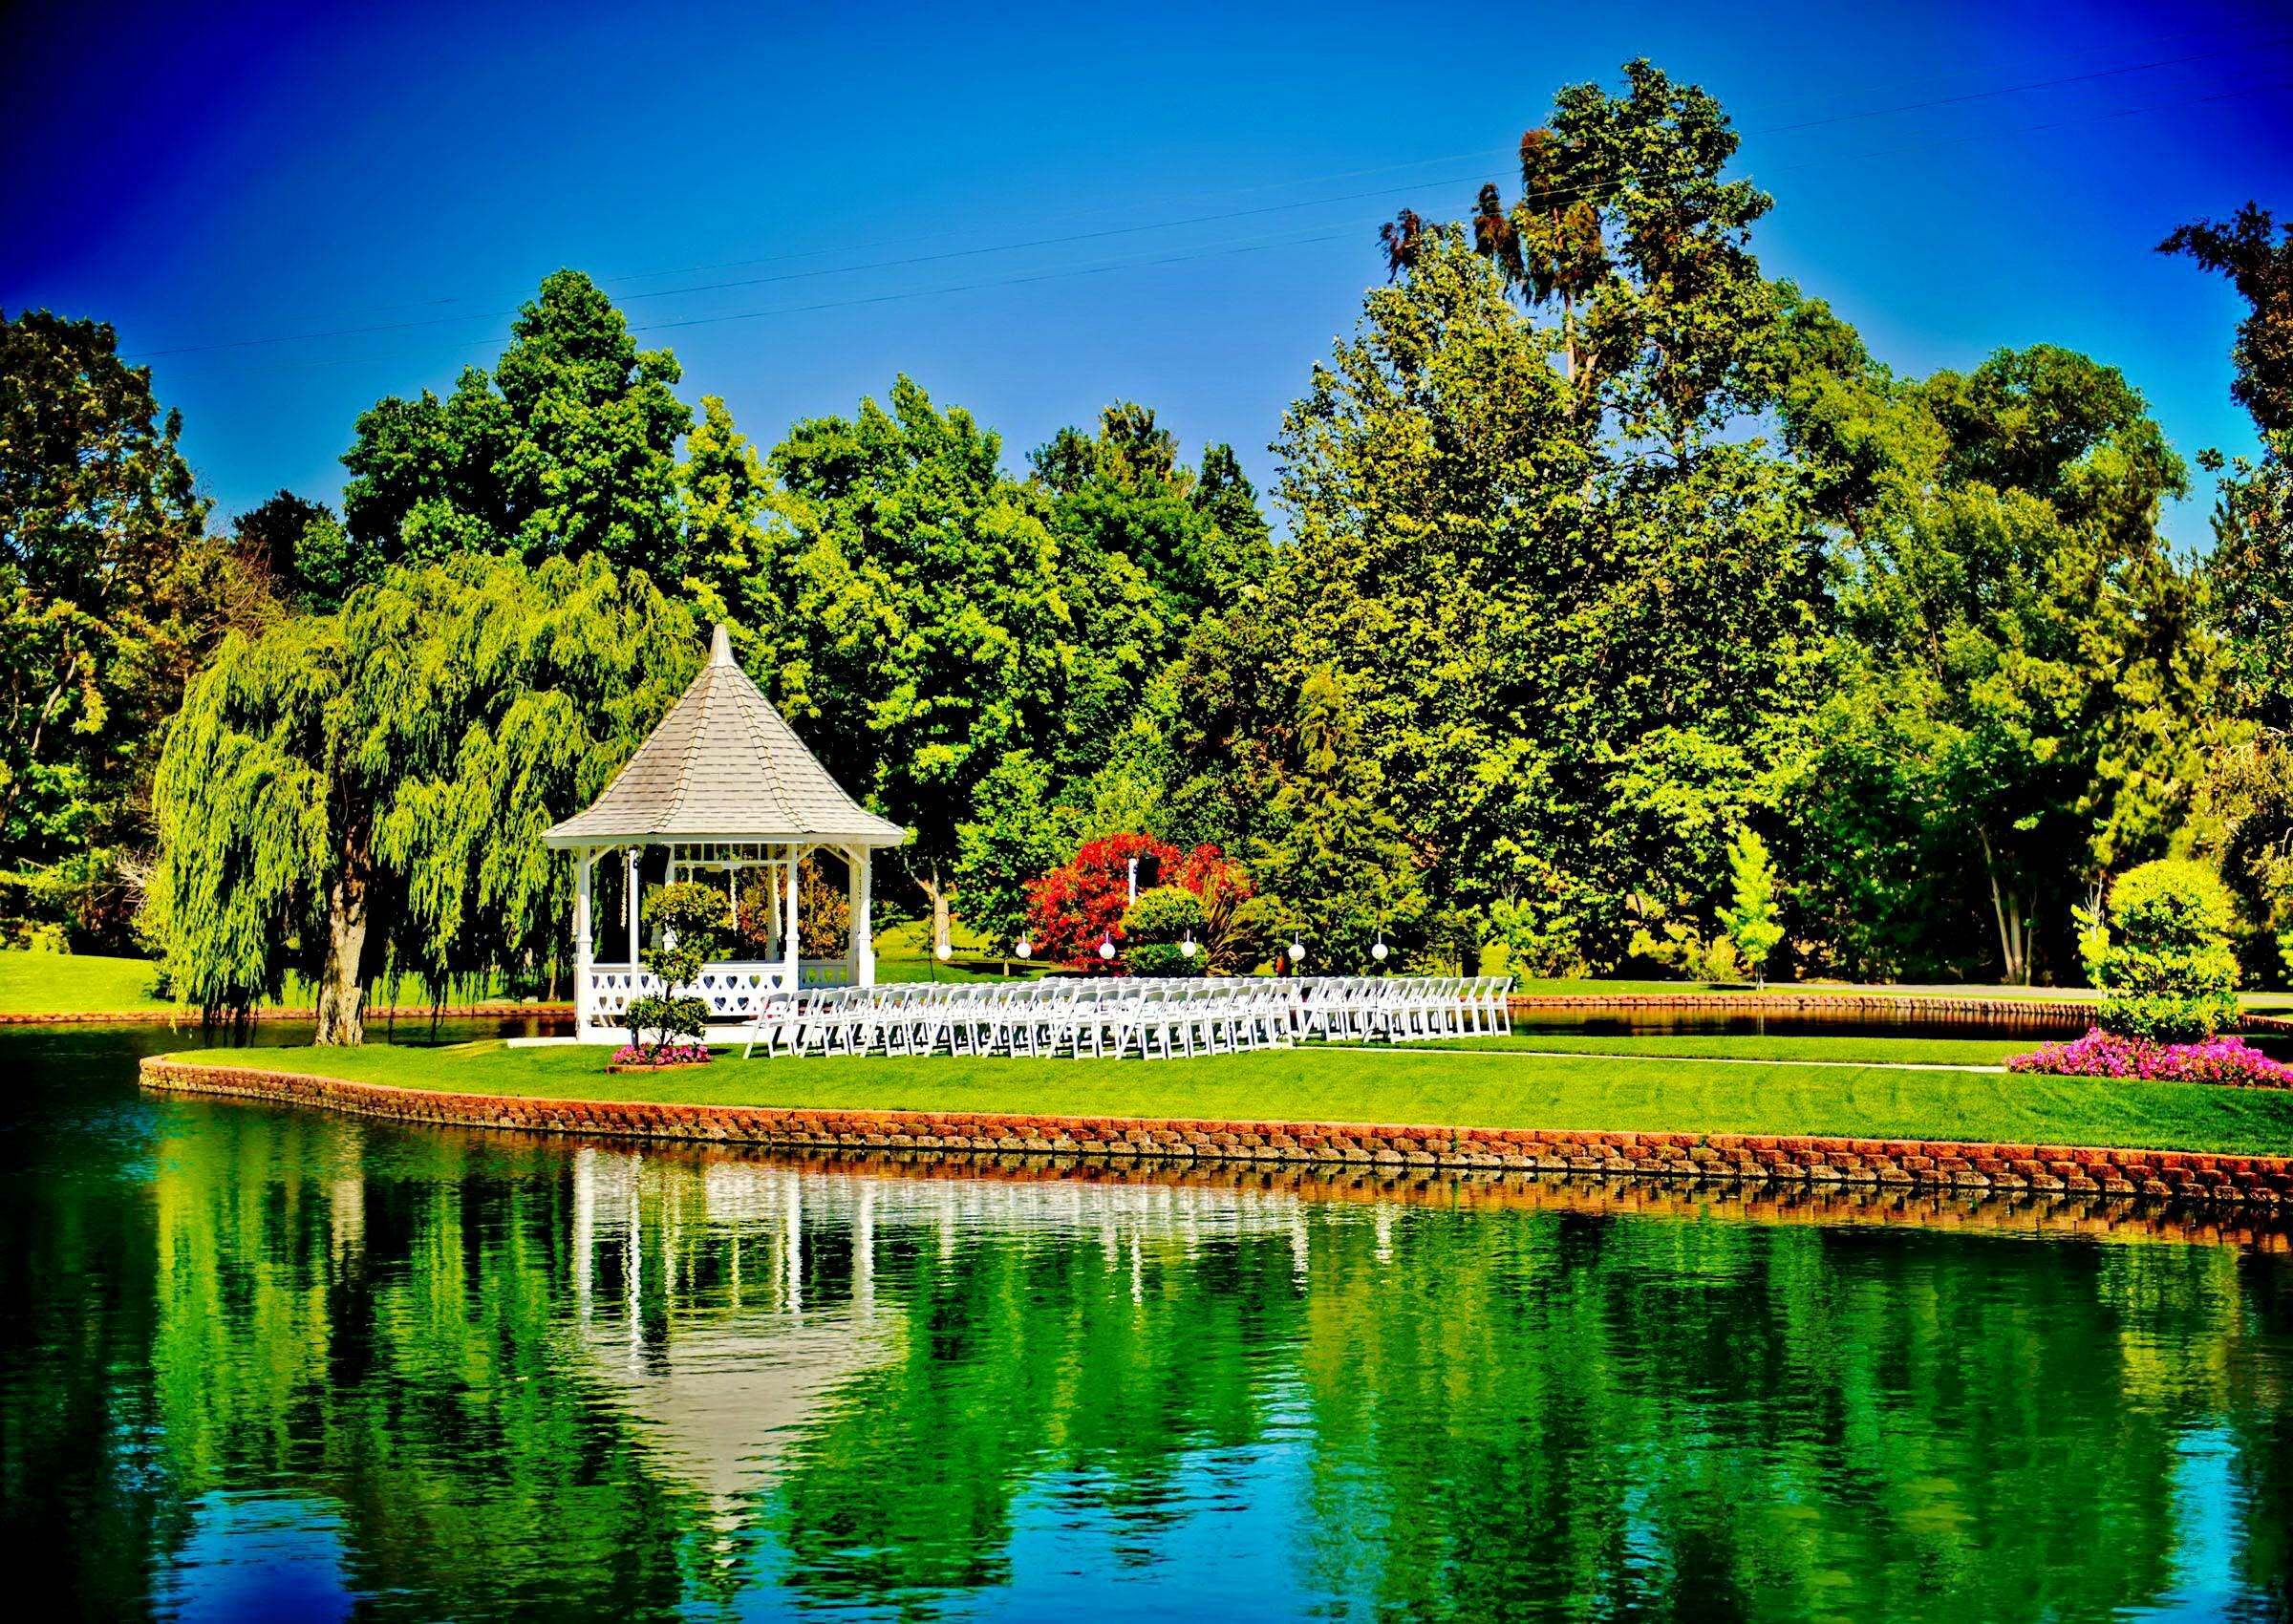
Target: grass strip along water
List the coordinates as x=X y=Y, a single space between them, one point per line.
x=1425 y=1087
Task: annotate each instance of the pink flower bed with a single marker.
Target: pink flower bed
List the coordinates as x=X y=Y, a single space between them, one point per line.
x=2102 y=1053
x=671 y=1055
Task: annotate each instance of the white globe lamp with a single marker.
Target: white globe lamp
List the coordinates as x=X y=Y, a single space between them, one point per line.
x=1106 y=947
x=944 y=953
x=1026 y=949
x=1186 y=949
x=1298 y=950
x=1380 y=951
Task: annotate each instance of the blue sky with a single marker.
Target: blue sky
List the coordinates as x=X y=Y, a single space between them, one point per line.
x=1038 y=211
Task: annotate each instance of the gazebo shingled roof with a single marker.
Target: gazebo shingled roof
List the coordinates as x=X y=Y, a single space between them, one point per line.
x=724 y=765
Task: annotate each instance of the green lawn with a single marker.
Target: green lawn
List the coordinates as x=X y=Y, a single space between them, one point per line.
x=1493 y=1089
x=1751 y=1046
x=34 y=983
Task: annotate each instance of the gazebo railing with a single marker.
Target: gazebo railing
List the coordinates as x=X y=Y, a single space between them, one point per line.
x=734 y=991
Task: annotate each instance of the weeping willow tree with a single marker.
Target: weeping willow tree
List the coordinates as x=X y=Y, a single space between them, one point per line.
x=366 y=791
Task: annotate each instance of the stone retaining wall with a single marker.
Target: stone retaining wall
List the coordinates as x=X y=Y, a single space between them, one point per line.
x=1734 y=1158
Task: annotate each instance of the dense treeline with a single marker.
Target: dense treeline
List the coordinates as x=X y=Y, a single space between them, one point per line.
x=1609 y=565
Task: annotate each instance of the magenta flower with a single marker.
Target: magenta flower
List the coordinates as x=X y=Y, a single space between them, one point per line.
x=2226 y=1060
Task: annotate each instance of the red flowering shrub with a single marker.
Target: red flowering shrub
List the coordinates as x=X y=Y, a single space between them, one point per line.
x=1080 y=904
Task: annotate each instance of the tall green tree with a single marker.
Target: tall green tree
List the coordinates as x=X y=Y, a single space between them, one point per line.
x=1196 y=534
x=2022 y=668
x=302 y=550
x=1576 y=667
x=567 y=448
x=912 y=613
x=1627 y=240
x=111 y=594
x=2251 y=571
x=351 y=794
x=1334 y=873
x=1018 y=831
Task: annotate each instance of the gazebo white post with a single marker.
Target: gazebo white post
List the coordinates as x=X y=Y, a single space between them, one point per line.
x=636 y=855
x=790 y=954
x=583 y=955
x=861 y=896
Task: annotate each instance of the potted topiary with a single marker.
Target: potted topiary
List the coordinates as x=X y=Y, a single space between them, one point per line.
x=690 y=919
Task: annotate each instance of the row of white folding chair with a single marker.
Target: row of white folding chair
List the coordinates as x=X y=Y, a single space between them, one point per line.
x=1048 y=1017
x=1402 y=1009
x=1169 y=1015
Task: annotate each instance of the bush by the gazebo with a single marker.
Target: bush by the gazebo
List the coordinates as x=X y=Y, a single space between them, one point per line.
x=2161 y=953
x=1154 y=926
x=690 y=919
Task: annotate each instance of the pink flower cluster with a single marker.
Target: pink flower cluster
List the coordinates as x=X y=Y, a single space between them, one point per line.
x=668 y=1055
x=2103 y=1054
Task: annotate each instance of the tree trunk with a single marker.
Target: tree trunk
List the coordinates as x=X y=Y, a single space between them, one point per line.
x=342 y=978
x=2014 y=945
x=935 y=889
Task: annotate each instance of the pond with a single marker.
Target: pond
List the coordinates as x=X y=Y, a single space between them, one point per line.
x=259 y=1363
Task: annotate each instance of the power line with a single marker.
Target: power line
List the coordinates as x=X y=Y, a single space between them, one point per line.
x=1163 y=226
x=1608 y=184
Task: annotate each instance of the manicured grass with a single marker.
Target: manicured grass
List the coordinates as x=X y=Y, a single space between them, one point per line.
x=1492 y=1089
x=37 y=983
x=1751 y=1046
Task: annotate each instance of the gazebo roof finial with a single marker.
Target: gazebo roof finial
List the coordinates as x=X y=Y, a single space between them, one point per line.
x=720 y=646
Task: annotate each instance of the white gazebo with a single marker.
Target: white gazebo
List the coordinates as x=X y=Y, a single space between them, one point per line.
x=721 y=786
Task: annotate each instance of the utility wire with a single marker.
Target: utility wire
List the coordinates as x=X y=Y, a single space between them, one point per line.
x=1607 y=185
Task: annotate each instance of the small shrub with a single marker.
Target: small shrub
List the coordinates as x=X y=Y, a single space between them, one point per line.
x=1154 y=926
x=2227 y=1061
x=1753 y=920
x=2162 y=954
x=692 y=918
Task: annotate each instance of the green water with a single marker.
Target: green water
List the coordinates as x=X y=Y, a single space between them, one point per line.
x=256 y=1363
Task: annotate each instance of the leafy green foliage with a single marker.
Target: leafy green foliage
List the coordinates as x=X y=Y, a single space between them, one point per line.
x=364 y=794
x=1334 y=873
x=1015 y=834
x=1197 y=537
x=1625 y=231
x=2162 y=956
x=1668 y=934
x=1574 y=668
x=911 y=611
x=2022 y=658
x=1156 y=924
x=2257 y=255
x=1752 y=920
x=567 y=448
x=111 y=594
x=2250 y=576
x=688 y=921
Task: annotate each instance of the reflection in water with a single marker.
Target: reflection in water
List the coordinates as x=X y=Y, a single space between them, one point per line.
x=259 y=1361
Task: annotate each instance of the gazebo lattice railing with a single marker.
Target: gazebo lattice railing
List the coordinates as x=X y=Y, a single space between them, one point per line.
x=724 y=786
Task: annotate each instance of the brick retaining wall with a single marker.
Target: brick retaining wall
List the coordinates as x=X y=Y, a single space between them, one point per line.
x=1755 y=1159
